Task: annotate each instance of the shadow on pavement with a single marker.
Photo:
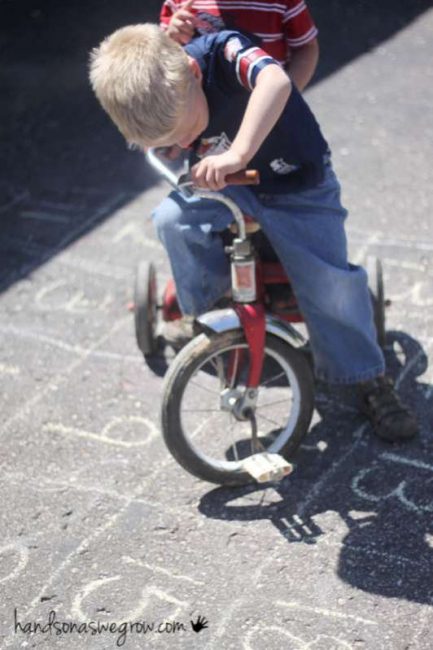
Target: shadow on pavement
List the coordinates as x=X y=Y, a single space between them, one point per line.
x=68 y=169
x=382 y=494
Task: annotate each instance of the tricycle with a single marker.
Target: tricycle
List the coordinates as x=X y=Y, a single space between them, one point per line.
x=238 y=399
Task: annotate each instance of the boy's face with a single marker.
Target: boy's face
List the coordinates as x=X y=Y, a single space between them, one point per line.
x=195 y=116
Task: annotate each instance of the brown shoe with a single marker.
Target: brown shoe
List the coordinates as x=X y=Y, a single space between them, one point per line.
x=391 y=420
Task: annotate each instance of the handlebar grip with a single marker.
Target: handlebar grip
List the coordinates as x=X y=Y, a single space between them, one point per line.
x=244 y=177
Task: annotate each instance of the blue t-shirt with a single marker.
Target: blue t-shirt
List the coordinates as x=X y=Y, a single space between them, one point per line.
x=293 y=155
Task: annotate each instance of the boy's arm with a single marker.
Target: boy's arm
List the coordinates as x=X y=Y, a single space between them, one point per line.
x=300 y=33
x=303 y=63
x=266 y=103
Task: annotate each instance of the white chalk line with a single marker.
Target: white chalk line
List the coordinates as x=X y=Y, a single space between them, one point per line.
x=60 y=378
x=23 y=557
x=6 y=369
x=147 y=593
x=325 y=612
x=358 y=235
x=397 y=492
x=67 y=347
x=363 y=249
x=58 y=205
x=406 y=461
x=427 y=376
x=89 y=191
x=134 y=232
x=69 y=237
x=157 y=569
x=21 y=196
x=104 y=437
x=77 y=303
x=57 y=485
x=37 y=215
x=110 y=271
x=408 y=367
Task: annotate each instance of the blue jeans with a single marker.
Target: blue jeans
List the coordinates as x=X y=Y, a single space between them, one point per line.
x=306 y=230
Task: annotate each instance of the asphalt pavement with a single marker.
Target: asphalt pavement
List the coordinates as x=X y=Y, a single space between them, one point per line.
x=98 y=523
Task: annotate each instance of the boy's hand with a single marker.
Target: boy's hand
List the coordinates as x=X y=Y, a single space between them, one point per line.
x=210 y=172
x=181 y=27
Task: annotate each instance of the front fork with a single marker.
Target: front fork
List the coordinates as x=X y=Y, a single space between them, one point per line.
x=252 y=318
x=242 y=403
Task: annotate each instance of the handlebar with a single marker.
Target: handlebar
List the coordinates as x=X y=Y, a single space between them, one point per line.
x=184 y=184
x=244 y=177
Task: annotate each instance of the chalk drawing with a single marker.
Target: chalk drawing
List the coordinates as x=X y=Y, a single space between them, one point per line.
x=319 y=642
x=134 y=232
x=129 y=560
x=148 y=595
x=22 y=553
x=38 y=215
x=399 y=492
x=141 y=426
x=6 y=369
x=50 y=298
x=324 y=612
x=270 y=631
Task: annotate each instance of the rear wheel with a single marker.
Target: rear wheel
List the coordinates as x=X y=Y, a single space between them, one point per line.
x=145 y=307
x=205 y=434
x=377 y=292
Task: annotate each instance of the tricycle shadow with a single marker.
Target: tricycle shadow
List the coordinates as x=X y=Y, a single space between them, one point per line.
x=367 y=502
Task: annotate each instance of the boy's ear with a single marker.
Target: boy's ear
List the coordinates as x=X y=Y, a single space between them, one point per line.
x=195 y=68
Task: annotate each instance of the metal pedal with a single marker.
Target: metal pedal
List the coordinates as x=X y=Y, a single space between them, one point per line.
x=265 y=467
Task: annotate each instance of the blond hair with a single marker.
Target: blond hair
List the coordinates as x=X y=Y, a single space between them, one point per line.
x=142 y=80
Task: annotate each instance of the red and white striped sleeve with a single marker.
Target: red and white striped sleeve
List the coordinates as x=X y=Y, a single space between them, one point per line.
x=299 y=27
x=246 y=60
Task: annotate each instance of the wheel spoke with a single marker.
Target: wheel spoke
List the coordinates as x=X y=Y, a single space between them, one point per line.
x=281 y=401
x=268 y=419
x=234 y=441
x=219 y=367
x=274 y=378
x=208 y=390
x=201 y=410
x=235 y=368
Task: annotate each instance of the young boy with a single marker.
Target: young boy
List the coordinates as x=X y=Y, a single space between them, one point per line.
x=236 y=107
x=284 y=29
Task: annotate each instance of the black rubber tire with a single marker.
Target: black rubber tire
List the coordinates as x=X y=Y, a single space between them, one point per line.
x=177 y=378
x=145 y=308
x=377 y=292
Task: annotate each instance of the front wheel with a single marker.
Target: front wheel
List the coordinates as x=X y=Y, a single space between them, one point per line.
x=204 y=434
